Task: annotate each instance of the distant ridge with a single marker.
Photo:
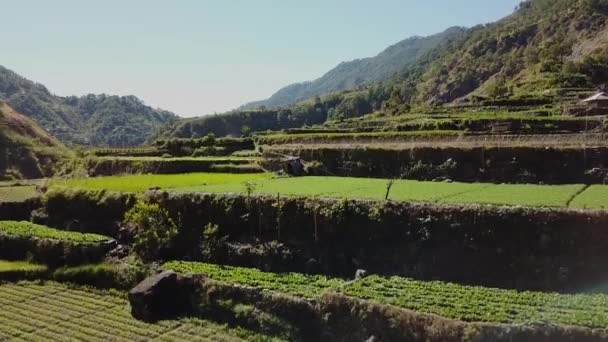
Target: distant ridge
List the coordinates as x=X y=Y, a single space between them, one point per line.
x=359 y=72
x=87 y=120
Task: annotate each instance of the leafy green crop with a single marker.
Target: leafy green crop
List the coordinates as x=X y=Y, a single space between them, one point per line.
x=308 y=286
x=140 y=183
x=596 y=196
x=20 y=266
x=56 y=312
x=27 y=229
x=16 y=193
x=467 y=303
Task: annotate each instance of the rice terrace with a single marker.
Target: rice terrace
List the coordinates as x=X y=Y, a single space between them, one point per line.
x=453 y=187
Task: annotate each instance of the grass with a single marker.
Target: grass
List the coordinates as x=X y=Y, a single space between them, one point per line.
x=408 y=190
x=596 y=196
x=357 y=188
x=140 y=183
x=20 y=266
x=32 y=311
x=17 y=193
x=520 y=194
x=466 y=303
x=194 y=159
x=28 y=229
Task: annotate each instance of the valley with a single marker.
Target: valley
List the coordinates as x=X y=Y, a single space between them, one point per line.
x=452 y=188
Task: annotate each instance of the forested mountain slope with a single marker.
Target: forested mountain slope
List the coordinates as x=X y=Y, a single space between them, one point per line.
x=88 y=120
x=545 y=46
x=26 y=150
x=359 y=72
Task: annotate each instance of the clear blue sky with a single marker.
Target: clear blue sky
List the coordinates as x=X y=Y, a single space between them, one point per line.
x=197 y=57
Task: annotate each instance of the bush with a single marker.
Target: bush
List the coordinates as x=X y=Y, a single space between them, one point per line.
x=154 y=230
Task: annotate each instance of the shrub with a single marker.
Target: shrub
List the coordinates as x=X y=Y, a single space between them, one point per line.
x=154 y=230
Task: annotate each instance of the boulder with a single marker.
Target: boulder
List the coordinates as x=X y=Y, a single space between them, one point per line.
x=360 y=274
x=163 y=296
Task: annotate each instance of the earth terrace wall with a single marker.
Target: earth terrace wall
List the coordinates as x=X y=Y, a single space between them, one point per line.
x=335 y=317
x=52 y=252
x=109 y=167
x=549 y=165
x=509 y=247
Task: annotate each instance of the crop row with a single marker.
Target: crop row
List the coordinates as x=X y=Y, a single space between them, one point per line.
x=17 y=193
x=421 y=191
x=30 y=311
x=29 y=230
x=575 y=196
x=466 y=303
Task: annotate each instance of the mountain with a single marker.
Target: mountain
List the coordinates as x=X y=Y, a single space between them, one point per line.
x=87 y=120
x=359 y=72
x=543 y=45
x=26 y=150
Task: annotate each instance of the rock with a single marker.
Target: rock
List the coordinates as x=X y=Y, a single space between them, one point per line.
x=162 y=296
x=121 y=251
x=360 y=274
x=312 y=266
x=372 y=338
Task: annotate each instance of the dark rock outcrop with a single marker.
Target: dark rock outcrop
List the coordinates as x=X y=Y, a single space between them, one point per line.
x=164 y=295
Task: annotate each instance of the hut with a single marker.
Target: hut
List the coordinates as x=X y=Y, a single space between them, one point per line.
x=597 y=104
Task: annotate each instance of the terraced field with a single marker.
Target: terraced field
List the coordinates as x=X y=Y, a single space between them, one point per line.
x=30 y=311
x=27 y=229
x=140 y=183
x=561 y=196
x=407 y=190
x=466 y=303
x=17 y=193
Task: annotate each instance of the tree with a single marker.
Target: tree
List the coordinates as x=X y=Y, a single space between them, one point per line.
x=498 y=88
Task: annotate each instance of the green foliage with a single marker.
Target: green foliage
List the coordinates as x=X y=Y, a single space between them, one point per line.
x=467 y=303
x=20 y=266
x=596 y=197
x=360 y=72
x=407 y=190
x=153 y=228
x=141 y=183
x=17 y=193
x=308 y=286
x=90 y=119
x=30 y=230
x=58 y=312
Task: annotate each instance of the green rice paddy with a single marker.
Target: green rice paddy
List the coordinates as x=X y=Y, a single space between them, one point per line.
x=560 y=196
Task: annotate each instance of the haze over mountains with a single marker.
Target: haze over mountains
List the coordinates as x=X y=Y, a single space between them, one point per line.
x=359 y=72
x=87 y=120
x=545 y=45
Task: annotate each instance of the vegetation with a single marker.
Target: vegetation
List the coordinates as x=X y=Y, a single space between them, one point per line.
x=359 y=72
x=154 y=230
x=26 y=150
x=406 y=190
x=31 y=230
x=17 y=193
x=20 y=266
x=466 y=303
x=140 y=183
x=595 y=196
x=56 y=312
x=90 y=120
x=349 y=187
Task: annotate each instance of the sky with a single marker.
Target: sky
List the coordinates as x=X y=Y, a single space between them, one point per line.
x=198 y=57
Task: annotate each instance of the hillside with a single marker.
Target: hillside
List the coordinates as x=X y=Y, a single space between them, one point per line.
x=544 y=45
x=87 y=120
x=359 y=72
x=546 y=51
x=26 y=150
